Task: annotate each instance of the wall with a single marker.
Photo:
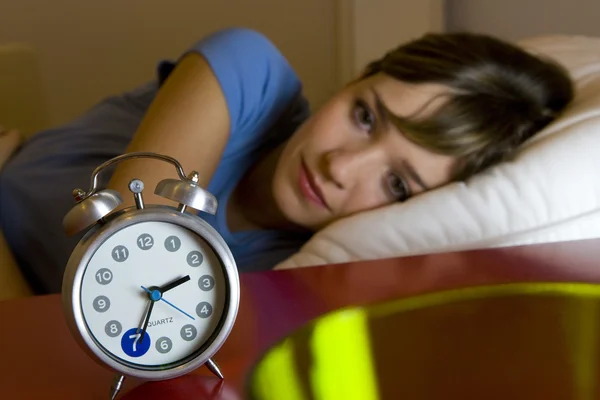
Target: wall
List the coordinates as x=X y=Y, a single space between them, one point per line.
x=369 y=28
x=90 y=49
x=516 y=19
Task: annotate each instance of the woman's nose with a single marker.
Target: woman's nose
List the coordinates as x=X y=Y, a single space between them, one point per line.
x=345 y=167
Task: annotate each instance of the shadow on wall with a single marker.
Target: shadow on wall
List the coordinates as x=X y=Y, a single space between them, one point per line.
x=22 y=103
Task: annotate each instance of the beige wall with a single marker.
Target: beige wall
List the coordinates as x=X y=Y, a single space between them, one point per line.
x=380 y=25
x=89 y=49
x=516 y=19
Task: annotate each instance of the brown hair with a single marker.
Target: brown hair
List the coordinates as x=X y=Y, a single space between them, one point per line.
x=500 y=95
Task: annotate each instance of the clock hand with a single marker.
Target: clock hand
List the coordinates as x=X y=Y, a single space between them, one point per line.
x=156 y=295
x=177 y=308
x=141 y=324
x=174 y=284
x=146 y=319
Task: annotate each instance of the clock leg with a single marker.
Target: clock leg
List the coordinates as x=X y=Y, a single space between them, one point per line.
x=116 y=386
x=214 y=368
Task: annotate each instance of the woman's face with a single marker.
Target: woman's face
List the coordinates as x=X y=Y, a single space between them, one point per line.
x=349 y=157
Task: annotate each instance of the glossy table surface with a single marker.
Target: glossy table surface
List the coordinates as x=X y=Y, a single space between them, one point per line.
x=41 y=360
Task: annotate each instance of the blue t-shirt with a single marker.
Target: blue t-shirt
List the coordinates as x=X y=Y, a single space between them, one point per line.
x=265 y=105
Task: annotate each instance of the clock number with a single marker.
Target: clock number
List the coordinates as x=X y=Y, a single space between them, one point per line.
x=164 y=345
x=206 y=283
x=120 y=253
x=188 y=332
x=135 y=337
x=172 y=243
x=113 y=328
x=101 y=304
x=204 y=309
x=195 y=259
x=104 y=276
x=145 y=241
x=133 y=344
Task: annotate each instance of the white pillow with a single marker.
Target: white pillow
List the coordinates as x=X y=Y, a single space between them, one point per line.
x=549 y=193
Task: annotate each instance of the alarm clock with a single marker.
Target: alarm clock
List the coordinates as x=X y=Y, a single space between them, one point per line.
x=150 y=291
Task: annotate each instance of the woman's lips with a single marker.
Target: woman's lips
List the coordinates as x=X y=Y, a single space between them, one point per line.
x=309 y=187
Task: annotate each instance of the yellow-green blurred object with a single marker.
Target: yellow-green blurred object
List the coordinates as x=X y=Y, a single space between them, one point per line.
x=515 y=341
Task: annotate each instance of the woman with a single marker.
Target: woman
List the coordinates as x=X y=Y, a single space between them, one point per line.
x=438 y=109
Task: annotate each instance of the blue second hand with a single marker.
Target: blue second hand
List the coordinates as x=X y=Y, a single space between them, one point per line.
x=171 y=304
x=177 y=308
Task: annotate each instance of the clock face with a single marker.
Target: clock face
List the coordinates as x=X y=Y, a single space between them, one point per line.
x=157 y=272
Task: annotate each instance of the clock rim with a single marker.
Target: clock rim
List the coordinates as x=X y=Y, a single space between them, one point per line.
x=91 y=241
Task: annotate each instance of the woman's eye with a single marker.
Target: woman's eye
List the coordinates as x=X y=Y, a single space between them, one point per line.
x=363 y=116
x=397 y=187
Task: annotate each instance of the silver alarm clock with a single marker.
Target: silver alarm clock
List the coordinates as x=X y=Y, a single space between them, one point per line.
x=150 y=291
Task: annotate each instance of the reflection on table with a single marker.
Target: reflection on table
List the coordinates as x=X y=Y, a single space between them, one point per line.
x=516 y=341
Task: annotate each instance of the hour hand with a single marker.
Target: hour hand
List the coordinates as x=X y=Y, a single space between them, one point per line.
x=174 y=284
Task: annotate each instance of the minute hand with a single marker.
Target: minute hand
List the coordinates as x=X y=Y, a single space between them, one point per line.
x=145 y=320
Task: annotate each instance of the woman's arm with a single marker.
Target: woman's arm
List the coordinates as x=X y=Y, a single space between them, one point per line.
x=188 y=120
x=228 y=90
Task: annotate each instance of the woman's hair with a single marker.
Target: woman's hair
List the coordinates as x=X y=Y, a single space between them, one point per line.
x=500 y=95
